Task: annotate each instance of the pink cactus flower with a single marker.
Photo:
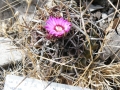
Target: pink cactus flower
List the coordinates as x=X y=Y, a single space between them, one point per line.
x=57 y=27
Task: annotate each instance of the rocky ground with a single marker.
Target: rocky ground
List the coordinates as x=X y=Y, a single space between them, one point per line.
x=88 y=56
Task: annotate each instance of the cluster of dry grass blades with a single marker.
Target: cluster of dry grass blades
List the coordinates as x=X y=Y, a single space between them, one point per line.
x=73 y=59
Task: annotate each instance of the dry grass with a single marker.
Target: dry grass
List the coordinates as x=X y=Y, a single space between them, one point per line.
x=73 y=59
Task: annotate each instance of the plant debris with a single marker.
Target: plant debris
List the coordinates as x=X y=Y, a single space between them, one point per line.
x=74 y=59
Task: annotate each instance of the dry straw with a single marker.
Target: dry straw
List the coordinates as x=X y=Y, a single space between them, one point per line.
x=72 y=59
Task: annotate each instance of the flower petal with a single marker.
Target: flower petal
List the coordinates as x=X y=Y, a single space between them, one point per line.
x=52 y=22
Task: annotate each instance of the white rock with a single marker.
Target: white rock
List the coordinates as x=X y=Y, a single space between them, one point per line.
x=8 y=52
x=104 y=15
x=111 y=45
x=95 y=7
x=12 y=81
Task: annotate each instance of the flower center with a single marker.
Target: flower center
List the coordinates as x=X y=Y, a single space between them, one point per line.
x=58 y=28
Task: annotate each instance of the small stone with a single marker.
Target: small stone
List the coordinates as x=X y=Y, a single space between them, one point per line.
x=9 y=53
x=104 y=15
x=111 y=45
